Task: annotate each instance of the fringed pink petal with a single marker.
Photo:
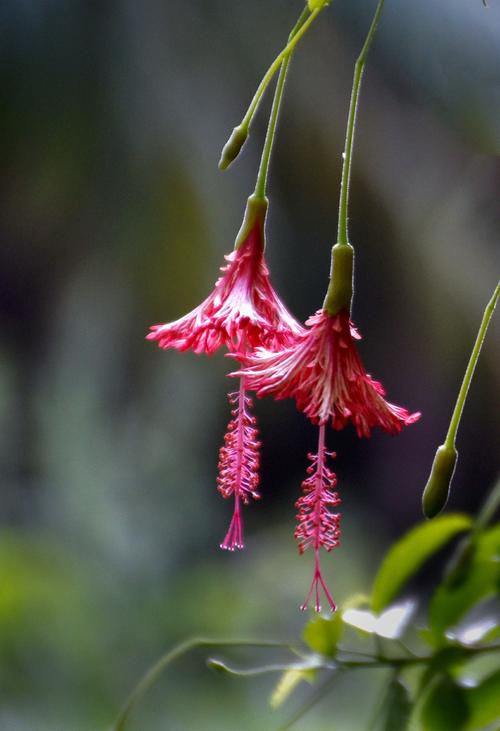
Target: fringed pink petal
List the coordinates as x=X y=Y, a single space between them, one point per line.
x=323 y=372
x=243 y=308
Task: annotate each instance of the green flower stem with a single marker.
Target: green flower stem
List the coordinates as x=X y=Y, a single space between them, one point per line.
x=342 y=237
x=457 y=413
x=168 y=658
x=437 y=489
x=240 y=133
x=260 y=186
x=339 y=292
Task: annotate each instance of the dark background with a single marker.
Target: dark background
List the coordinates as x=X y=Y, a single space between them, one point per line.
x=114 y=216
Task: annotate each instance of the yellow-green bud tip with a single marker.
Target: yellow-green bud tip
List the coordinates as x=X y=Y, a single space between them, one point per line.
x=437 y=490
x=233 y=146
x=317 y=4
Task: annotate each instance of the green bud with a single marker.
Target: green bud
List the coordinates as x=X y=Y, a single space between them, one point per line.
x=437 y=490
x=317 y=4
x=233 y=146
x=339 y=294
x=255 y=215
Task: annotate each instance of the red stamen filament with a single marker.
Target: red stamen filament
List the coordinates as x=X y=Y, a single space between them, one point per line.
x=317 y=526
x=239 y=464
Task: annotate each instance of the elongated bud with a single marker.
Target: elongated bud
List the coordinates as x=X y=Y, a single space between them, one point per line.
x=233 y=146
x=339 y=294
x=437 y=490
x=255 y=215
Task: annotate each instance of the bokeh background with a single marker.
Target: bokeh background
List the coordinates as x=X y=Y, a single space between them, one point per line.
x=114 y=216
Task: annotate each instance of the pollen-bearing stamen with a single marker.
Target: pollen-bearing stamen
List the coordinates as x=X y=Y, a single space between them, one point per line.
x=317 y=526
x=239 y=463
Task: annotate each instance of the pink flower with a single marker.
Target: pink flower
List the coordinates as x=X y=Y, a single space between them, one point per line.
x=239 y=464
x=323 y=372
x=317 y=526
x=243 y=308
x=242 y=312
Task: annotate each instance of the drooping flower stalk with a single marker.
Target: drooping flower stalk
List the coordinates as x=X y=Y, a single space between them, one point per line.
x=239 y=463
x=321 y=368
x=242 y=312
x=317 y=526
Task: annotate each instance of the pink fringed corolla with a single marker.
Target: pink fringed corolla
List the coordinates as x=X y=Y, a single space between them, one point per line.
x=322 y=370
x=242 y=312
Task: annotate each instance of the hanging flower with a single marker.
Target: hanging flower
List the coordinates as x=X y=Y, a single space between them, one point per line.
x=243 y=306
x=317 y=526
x=242 y=312
x=323 y=372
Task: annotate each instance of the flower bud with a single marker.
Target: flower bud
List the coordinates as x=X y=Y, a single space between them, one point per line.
x=437 y=490
x=233 y=146
x=317 y=4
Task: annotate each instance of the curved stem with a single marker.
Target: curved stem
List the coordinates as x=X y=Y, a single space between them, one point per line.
x=260 y=185
x=340 y=287
x=464 y=389
x=342 y=237
x=245 y=122
x=152 y=675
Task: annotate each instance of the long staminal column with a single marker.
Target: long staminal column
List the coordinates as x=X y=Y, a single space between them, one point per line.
x=317 y=526
x=239 y=463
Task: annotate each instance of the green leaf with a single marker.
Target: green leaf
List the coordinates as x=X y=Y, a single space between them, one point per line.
x=322 y=635
x=407 y=555
x=483 y=702
x=481 y=575
x=444 y=707
x=287 y=684
x=396 y=709
x=450 y=604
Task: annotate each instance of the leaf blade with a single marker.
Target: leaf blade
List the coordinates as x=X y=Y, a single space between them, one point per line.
x=410 y=552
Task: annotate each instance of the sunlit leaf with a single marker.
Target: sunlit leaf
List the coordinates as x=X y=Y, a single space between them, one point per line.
x=483 y=702
x=322 y=635
x=287 y=684
x=407 y=555
x=391 y=624
x=484 y=631
x=445 y=707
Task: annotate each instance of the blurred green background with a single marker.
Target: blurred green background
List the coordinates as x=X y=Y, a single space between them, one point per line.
x=113 y=216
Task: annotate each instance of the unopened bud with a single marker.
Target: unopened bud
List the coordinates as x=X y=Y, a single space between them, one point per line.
x=317 y=4
x=233 y=146
x=437 y=490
